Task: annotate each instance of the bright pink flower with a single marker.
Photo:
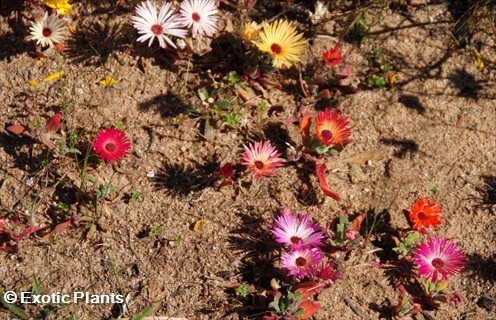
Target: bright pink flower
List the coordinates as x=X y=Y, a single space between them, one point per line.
x=111 y=144
x=290 y=230
x=262 y=158
x=438 y=258
x=301 y=261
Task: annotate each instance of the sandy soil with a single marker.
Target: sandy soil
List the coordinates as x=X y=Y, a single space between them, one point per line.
x=434 y=130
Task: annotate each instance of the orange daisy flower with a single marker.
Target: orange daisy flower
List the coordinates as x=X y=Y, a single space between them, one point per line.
x=425 y=213
x=332 y=129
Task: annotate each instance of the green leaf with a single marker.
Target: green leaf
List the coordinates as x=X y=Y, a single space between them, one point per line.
x=12 y=308
x=223 y=104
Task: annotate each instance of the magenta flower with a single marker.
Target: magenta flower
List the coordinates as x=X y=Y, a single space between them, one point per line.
x=290 y=230
x=111 y=144
x=262 y=158
x=438 y=258
x=301 y=261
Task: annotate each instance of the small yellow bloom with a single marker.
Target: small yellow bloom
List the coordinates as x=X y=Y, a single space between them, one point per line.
x=33 y=83
x=71 y=28
x=283 y=42
x=62 y=6
x=108 y=81
x=480 y=62
x=198 y=223
x=38 y=55
x=54 y=76
x=250 y=31
x=392 y=76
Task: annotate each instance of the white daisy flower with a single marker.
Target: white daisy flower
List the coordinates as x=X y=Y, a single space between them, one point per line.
x=200 y=16
x=48 y=31
x=151 y=23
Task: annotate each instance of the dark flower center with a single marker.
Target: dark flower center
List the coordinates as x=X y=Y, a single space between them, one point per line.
x=47 y=32
x=276 y=48
x=196 y=17
x=157 y=29
x=295 y=239
x=437 y=263
x=301 y=262
x=259 y=164
x=110 y=147
x=326 y=135
x=421 y=215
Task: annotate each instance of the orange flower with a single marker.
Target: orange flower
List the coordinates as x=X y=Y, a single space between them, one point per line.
x=332 y=129
x=333 y=56
x=425 y=213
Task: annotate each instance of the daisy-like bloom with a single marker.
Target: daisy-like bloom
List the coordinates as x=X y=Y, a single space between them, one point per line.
x=200 y=16
x=250 y=31
x=333 y=56
x=152 y=24
x=62 y=6
x=425 y=213
x=283 y=43
x=331 y=129
x=48 y=31
x=290 y=230
x=438 y=258
x=111 y=144
x=262 y=157
x=301 y=261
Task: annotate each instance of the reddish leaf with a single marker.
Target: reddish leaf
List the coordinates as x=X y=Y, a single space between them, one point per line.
x=25 y=233
x=45 y=139
x=320 y=170
x=309 y=309
x=53 y=123
x=15 y=129
x=226 y=183
x=62 y=226
x=308 y=289
x=226 y=170
x=357 y=222
x=305 y=123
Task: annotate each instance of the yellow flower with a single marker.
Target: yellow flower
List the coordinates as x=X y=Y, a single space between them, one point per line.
x=480 y=62
x=108 y=81
x=62 y=6
x=54 y=76
x=281 y=40
x=392 y=76
x=250 y=31
x=33 y=83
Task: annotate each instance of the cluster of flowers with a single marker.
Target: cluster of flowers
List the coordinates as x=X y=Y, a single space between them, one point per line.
x=436 y=259
x=199 y=16
x=303 y=240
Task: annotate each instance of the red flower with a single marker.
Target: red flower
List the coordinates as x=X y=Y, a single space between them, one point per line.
x=331 y=128
x=111 y=145
x=333 y=56
x=425 y=213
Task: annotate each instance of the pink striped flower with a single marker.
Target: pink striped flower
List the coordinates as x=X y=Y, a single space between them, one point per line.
x=291 y=230
x=301 y=261
x=262 y=158
x=438 y=258
x=200 y=16
x=152 y=24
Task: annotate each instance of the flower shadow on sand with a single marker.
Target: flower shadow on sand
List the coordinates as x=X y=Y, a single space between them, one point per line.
x=181 y=180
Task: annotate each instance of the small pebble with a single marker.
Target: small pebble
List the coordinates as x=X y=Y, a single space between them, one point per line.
x=150 y=174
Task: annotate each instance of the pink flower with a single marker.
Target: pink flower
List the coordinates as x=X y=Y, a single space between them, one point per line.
x=111 y=144
x=438 y=258
x=200 y=16
x=290 y=230
x=301 y=261
x=151 y=23
x=262 y=158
